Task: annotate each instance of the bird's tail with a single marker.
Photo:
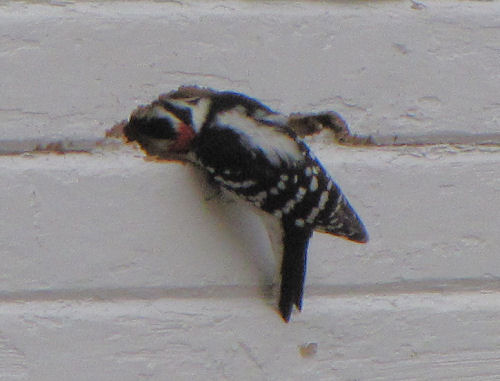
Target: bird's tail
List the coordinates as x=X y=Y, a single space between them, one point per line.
x=293 y=269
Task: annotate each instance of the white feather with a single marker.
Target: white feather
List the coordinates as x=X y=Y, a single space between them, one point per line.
x=198 y=112
x=276 y=145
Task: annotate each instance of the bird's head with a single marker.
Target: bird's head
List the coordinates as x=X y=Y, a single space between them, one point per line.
x=169 y=125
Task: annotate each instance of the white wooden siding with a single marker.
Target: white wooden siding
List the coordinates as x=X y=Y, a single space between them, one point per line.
x=115 y=268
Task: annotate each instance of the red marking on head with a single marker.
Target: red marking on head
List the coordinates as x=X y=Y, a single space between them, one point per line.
x=185 y=136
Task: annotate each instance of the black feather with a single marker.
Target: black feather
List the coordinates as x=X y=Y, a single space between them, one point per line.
x=293 y=268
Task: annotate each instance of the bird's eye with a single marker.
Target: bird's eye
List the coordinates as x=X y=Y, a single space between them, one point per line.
x=159 y=128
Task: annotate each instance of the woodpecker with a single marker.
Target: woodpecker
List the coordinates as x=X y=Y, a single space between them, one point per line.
x=252 y=152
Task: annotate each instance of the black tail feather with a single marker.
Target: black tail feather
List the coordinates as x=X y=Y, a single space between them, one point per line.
x=293 y=269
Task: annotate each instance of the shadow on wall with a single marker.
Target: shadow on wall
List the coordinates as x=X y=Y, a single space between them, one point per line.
x=243 y=228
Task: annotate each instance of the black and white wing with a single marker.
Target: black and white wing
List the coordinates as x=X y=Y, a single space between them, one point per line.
x=266 y=164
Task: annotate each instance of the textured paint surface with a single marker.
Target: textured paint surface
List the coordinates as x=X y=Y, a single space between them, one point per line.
x=389 y=69
x=115 y=268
